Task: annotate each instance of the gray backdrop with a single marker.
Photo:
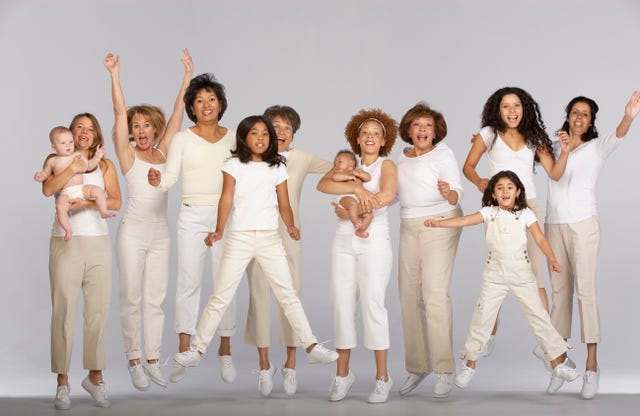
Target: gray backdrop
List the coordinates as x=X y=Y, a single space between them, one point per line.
x=328 y=60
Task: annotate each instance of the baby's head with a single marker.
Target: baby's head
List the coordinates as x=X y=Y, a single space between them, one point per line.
x=345 y=160
x=61 y=140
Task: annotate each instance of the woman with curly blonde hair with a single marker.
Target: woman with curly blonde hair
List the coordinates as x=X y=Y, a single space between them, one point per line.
x=363 y=266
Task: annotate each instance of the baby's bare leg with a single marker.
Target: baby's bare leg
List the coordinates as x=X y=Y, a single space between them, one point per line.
x=351 y=205
x=94 y=193
x=365 y=221
x=62 y=212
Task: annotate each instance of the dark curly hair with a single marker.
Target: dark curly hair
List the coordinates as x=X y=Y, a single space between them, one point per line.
x=592 y=132
x=205 y=82
x=242 y=151
x=389 y=127
x=285 y=112
x=531 y=126
x=487 y=197
x=422 y=109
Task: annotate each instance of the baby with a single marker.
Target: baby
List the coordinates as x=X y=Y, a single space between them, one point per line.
x=344 y=170
x=62 y=144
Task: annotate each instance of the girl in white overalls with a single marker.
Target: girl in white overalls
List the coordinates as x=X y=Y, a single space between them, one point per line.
x=508 y=269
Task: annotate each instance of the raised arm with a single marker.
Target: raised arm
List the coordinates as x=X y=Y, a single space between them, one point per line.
x=457 y=222
x=286 y=213
x=469 y=168
x=224 y=208
x=555 y=168
x=175 y=121
x=631 y=110
x=545 y=247
x=124 y=150
x=95 y=160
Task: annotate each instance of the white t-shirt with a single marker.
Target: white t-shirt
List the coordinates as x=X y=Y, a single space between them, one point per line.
x=502 y=157
x=418 y=182
x=525 y=216
x=573 y=198
x=255 y=203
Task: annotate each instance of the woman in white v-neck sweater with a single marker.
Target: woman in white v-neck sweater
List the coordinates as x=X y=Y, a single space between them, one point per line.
x=197 y=153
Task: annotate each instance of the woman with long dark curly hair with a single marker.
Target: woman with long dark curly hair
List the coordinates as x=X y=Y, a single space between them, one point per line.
x=363 y=265
x=513 y=136
x=573 y=228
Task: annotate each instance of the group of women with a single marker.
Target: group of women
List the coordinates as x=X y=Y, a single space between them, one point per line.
x=425 y=181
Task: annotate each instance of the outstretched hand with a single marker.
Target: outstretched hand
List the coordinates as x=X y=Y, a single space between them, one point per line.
x=187 y=61
x=564 y=140
x=633 y=106
x=112 y=63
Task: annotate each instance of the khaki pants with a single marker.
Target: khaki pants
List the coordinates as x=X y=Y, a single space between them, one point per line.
x=82 y=264
x=425 y=265
x=576 y=248
x=535 y=254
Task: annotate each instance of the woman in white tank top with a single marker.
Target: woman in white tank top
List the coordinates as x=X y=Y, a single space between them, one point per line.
x=142 y=245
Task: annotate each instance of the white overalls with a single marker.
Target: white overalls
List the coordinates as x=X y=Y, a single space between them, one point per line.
x=508 y=269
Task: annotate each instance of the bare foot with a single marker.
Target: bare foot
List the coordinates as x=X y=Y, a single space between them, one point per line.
x=107 y=214
x=362 y=233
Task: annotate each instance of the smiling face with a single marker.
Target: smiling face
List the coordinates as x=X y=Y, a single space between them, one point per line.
x=579 y=118
x=511 y=111
x=422 y=133
x=371 y=138
x=206 y=106
x=258 y=141
x=284 y=131
x=505 y=192
x=142 y=131
x=62 y=144
x=83 y=133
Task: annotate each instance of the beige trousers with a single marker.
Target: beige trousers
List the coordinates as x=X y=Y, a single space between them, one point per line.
x=82 y=264
x=576 y=248
x=535 y=254
x=425 y=265
x=258 y=327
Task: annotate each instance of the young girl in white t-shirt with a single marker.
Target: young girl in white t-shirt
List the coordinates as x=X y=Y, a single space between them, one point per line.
x=507 y=218
x=513 y=136
x=254 y=191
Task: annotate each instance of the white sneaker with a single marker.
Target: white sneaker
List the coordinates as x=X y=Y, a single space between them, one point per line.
x=537 y=351
x=188 y=358
x=265 y=381
x=321 y=355
x=380 y=392
x=411 y=382
x=139 y=378
x=99 y=392
x=177 y=372
x=464 y=377
x=561 y=373
x=489 y=346
x=289 y=382
x=443 y=385
x=227 y=369
x=62 y=401
x=153 y=371
x=590 y=384
x=340 y=386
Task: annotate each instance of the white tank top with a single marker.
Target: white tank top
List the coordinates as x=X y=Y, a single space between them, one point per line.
x=86 y=221
x=144 y=202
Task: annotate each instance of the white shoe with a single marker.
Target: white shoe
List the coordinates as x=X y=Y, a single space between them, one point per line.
x=177 y=372
x=443 y=385
x=265 y=381
x=537 y=351
x=62 y=401
x=489 y=346
x=289 y=382
x=411 y=382
x=139 y=378
x=561 y=373
x=227 y=369
x=99 y=392
x=380 y=393
x=188 y=358
x=153 y=371
x=463 y=378
x=590 y=384
x=321 y=355
x=340 y=386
